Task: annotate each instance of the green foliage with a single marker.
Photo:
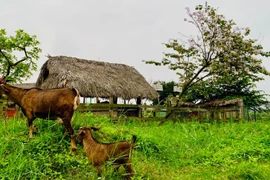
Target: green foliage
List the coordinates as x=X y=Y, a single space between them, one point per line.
x=218 y=59
x=172 y=151
x=167 y=90
x=206 y=91
x=18 y=54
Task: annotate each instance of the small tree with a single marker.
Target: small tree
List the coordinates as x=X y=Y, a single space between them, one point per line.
x=220 y=56
x=18 y=55
x=167 y=90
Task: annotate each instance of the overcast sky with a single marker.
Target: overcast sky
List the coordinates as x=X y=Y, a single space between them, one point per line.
x=124 y=31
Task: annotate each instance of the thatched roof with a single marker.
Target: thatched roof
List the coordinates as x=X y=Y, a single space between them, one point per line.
x=216 y=103
x=26 y=85
x=220 y=103
x=94 y=78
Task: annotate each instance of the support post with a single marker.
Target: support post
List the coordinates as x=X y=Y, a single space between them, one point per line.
x=139 y=102
x=110 y=108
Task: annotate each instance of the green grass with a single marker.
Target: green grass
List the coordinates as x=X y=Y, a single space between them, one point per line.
x=239 y=150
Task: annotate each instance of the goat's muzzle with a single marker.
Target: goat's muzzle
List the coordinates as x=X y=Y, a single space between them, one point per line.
x=80 y=134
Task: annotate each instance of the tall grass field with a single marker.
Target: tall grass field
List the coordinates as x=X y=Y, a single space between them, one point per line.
x=190 y=150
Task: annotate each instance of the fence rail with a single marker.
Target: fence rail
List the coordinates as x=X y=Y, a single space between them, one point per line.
x=162 y=111
x=147 y=111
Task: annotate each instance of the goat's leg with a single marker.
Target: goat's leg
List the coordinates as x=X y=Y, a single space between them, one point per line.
x=31 y=131
x=73 y=145
x=29 y=123
x=129 y=170
x=31 y=128
x=59 y=120
x=99 y=170
x=69 y=129
x=116 y=168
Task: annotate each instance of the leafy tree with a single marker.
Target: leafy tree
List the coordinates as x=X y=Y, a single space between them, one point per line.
x=167 y=90
x=218 y=62
x=253 y=99
x=18 y=55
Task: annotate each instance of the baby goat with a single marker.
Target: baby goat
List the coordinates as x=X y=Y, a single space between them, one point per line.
x=99 y=153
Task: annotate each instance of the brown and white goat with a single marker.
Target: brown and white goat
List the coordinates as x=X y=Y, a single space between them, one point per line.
x=59 y=103
x=99 y=153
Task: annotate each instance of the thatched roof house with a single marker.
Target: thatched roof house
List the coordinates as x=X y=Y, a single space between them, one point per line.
x=26 y=85
x=94 y=78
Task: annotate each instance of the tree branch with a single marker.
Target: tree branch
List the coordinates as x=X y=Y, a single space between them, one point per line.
x=194 y=77
x=25 y=53
x=11 y=64
x=3 y=54
x=191 y=84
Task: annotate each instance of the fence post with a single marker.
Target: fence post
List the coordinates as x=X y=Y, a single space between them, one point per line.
x=139 y=102
x=110 y=107
x=247 y=110
x=241 y=109
x=255 y=116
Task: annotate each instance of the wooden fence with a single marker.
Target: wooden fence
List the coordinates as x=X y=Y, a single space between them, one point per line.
x=218 y=110
x=221 y=110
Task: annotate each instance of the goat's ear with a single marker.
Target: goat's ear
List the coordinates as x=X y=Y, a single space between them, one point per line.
x=4 y=89
x=81 y=132
x=3 y=80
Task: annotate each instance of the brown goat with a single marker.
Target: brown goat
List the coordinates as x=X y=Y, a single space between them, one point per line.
x=47 y=104
x=99 y=153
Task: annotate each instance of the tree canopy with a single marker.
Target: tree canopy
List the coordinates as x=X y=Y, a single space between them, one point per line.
x=167 y=90
x=220 y=61
x=18 y=55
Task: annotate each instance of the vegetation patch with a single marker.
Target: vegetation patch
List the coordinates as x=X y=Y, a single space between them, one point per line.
x=190 y=150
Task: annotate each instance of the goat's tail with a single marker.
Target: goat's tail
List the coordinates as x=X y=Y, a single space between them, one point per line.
x=77 y=98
